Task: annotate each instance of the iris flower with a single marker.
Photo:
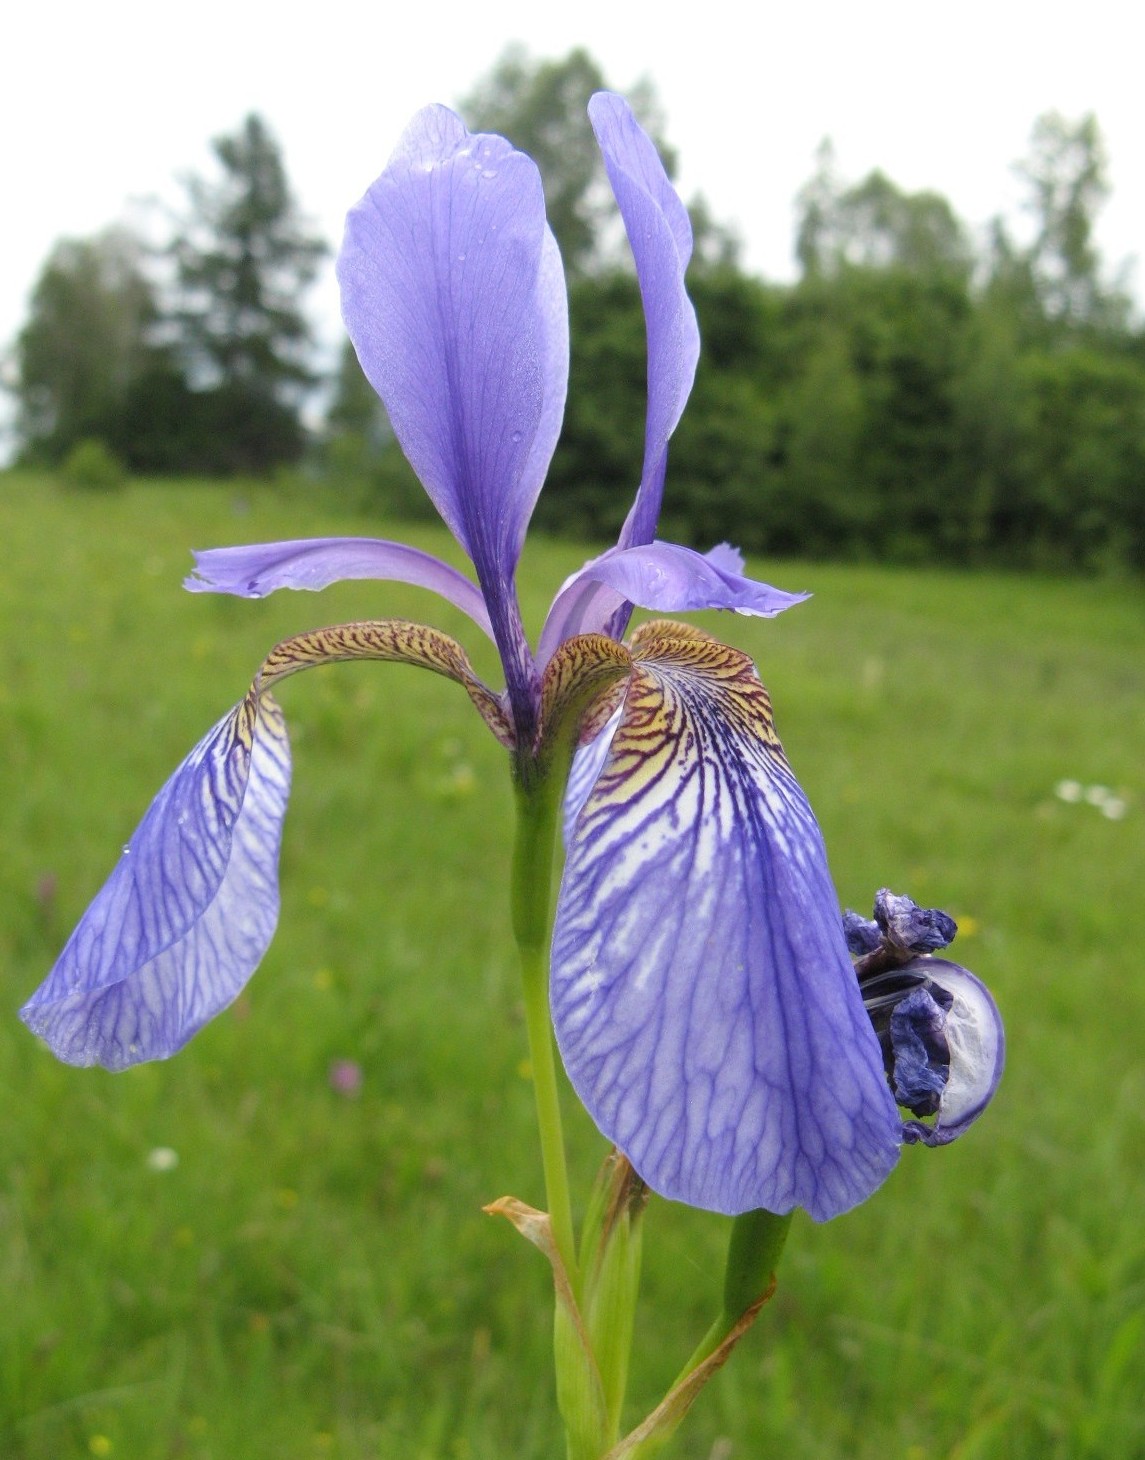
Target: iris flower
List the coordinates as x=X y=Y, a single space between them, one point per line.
x=703 y=998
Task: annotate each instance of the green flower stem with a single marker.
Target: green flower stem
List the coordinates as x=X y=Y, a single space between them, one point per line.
x=754 y=1249
x=538 y=809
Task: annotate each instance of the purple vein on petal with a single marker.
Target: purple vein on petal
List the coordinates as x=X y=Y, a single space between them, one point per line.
x=257 y=569
x=188 y=912
x=453 y=295
x=703 y=998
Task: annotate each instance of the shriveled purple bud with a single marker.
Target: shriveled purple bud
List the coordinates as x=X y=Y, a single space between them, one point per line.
x=862 y=935
x=917 y=929
x=921 y=1055
x=942 y=1042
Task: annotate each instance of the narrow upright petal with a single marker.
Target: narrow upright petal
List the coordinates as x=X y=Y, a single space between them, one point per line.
x=453 y=294
x=704 y=1003
x=256 y=569
x=660 y=235
x=188 y=912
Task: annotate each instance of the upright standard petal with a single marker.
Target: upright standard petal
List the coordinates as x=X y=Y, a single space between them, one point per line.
x=660 y=235
x=703 y=999
x=453 y=294
x=182 y=922
x=256 y=569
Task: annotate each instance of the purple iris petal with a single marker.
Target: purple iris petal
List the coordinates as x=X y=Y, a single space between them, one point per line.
x=182 y=922
x=261 y=568
x=725 y=557
x=582 y=606
x=453 y=296
x=663 y=576
x=660 y=235
x=703 y=999
x=972 y=1029
x=587 y=764
x=674 y=579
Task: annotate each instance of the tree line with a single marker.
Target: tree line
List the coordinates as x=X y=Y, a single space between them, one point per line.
x=192 y=357
x=914 y=395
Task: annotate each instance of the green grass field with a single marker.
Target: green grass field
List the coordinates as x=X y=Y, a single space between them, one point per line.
x=314 y=1277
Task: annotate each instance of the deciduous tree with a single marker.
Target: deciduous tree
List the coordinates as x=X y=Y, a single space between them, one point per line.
x=87 y=341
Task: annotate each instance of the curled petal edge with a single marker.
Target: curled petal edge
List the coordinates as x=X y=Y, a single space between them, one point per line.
x=664 y=577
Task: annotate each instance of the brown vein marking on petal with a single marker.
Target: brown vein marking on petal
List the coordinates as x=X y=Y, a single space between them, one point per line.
x=598 y=714
x=245 y=716
x=646 y=635
x=395 y=640
x=723 y=676
x=256 y=712
x=576 y=687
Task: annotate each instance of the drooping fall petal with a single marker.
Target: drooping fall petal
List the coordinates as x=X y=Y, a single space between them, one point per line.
x=704 y=1003
x=188 y=912
x=190 y=909
x=393 y=640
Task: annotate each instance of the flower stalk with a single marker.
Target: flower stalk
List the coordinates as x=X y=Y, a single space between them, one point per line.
x=538 y=808
x=692 y=968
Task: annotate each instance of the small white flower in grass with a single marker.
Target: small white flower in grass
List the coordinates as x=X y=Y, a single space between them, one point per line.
x=162 y=1158
x=1112 y=806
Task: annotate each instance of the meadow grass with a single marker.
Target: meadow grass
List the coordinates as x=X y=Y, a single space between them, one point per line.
x=314 y=1276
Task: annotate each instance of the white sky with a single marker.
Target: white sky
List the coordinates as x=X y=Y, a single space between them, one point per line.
x=101 y=103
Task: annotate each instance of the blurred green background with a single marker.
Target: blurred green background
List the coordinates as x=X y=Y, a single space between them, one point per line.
x=273 y=1245
x=237 y=1254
